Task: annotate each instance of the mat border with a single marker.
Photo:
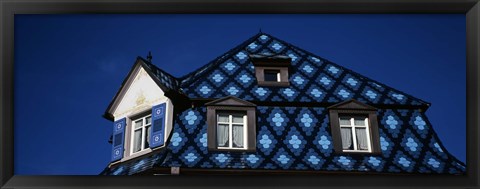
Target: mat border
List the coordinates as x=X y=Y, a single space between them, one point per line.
x=9 y=8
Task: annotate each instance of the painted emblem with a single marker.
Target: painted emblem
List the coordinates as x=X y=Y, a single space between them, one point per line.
x=159 y=111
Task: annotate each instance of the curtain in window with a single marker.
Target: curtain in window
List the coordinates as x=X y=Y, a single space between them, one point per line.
x=362 y=139
x=346 y=138
x=147 y=138
x=344 y=121
x=137 y=141
x=359 y=121
x=222 y=135
x=238 y=135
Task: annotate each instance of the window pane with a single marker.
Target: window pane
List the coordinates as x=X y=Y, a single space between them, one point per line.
x=344 y=121
x=149 y=120
x=137 y=140
x=362 y=143
x=222 y=135
x=238 y=136
x=347 y=143
x=238 y=119
x=223 y=118
x=271 y=75
x=359 y=121
x=138 y=123
x=147 y=138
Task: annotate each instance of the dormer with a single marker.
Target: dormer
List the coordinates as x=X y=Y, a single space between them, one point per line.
x=231 y=125
x=142 y=113
x=354 y=128
x=271 y=70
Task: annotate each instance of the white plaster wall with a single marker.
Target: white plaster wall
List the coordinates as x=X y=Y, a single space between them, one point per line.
x=137 y=97
x=140 y=95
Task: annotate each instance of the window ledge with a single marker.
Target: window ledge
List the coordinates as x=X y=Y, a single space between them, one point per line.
x=356 y=152
x=231 y=150
x=274 y=83
x=136 y=155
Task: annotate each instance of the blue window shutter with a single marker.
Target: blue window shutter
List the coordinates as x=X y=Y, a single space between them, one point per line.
x=158 y=125
x=118 y=139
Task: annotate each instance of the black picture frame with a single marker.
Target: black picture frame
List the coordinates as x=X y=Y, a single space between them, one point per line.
x=10 y=7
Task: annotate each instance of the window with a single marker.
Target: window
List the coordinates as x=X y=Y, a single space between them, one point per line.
x=354 y=128
x=271 y=70
x=140 y=133
x=272 y=75
x=231 y=129
x=354 y=133
x=231 y=125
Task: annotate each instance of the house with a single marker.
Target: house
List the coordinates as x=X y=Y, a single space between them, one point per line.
x=267 y=106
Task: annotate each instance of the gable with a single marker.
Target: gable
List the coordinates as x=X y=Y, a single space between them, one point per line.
x=312 y=79
x=230 y=101
x=353 y=105
x=140 y=92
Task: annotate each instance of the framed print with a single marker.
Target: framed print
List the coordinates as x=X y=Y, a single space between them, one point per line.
x=224 y=94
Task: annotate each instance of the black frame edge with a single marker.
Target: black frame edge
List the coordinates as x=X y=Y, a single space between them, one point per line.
x=6 y=94
x=472 y=72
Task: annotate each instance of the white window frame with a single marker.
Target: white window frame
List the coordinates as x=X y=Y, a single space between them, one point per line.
x=144 y=131
x=353 y=127
x=230 y=130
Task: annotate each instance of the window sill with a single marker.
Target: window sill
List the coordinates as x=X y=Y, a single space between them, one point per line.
x=273 y=83
x=231 y=150
x=136 y=155
x=357 y=152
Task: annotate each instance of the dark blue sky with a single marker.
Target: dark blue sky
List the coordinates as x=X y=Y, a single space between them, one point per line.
x=69 y=67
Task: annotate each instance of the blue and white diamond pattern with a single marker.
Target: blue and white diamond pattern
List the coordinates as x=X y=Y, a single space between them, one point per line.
x=333 y=71
x=252 y=47
x=371 y=94
x=261 y=93
x=289 y=93
x=204 y=90
x=229 y=66
x=343 y=93
x=276 y=47
x=245 y=79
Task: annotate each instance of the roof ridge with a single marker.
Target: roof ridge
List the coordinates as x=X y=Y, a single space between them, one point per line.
x=295 y=48
x=149 y=62
x=218 y=59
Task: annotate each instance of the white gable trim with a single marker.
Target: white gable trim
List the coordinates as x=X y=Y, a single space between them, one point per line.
x=139 y=92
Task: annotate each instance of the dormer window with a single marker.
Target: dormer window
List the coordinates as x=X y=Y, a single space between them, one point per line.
x=271 y=70
x=141 y=133
x=231 y=129
x=355 y=133
x=354 y=128
x=231 y=125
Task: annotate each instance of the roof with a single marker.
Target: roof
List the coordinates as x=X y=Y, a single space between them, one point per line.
x=312 y=78
x=167 y=80
x=301 y=139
